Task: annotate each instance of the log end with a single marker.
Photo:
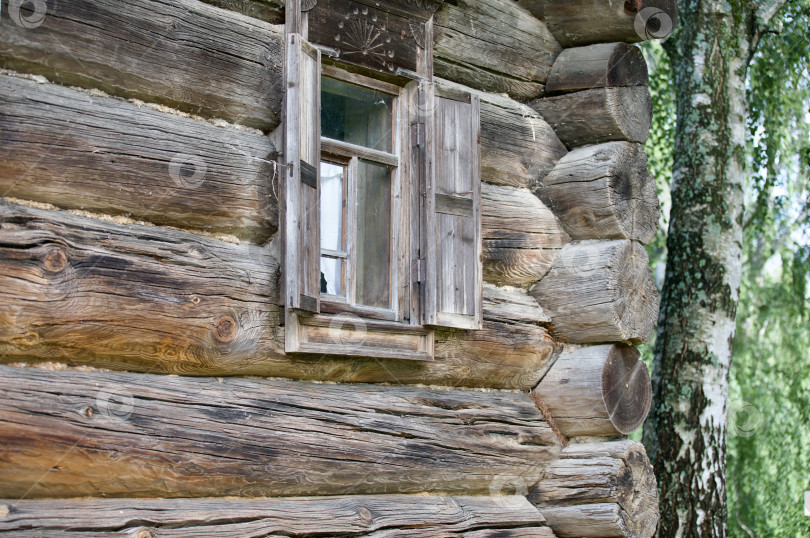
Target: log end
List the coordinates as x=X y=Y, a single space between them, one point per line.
x=626 y=388
x=600 y=291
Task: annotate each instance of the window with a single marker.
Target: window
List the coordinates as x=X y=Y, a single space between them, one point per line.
x=358 y=179
x=382 y=240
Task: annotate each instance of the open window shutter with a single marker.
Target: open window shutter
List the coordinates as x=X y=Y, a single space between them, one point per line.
x=453 y=294
x=302 y=150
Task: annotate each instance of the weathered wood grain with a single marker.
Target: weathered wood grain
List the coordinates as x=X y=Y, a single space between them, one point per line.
x=582 y=22
x=184 y=54
x=521 y=236
x=358 y=515
x=511 y=305
x=597 y=66
x=518 y=147
x=600 y=291
x=598 y=490
x=597 y=391
x=603 y=192
x=271 y=11
x=83 y=291
x=107 y=155
x=599 y=115
x=141 y=435
x=494 y=46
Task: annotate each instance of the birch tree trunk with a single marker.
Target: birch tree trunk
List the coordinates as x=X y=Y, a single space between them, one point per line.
x=685 y=433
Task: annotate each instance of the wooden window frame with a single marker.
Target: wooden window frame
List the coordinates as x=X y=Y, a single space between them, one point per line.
x=343 y=328
x=350 y=154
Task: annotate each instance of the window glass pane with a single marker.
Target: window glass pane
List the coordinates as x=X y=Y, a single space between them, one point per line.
x=373 y=235
x=356 y=115
x=331 y=276
x=332 y=206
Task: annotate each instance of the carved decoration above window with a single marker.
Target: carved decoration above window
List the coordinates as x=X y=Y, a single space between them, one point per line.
x=382 y=35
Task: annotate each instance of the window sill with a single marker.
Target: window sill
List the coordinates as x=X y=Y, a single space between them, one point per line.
x=348 y=335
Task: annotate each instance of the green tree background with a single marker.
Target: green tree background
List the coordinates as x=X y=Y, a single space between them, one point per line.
x=769 y=403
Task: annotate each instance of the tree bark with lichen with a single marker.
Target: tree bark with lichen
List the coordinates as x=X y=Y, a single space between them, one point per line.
x=685 y=433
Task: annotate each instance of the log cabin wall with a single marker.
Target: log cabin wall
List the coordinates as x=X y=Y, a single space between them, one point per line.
x=139 y=242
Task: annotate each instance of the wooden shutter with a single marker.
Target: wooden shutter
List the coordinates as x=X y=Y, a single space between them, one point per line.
x=453 y=259
x=302 y=152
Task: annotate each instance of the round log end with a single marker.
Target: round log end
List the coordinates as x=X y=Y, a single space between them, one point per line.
x=635 y=297
x=635 y=196
x=638 y=493
x=627 y=67
x=626 y=388
x=631 y=109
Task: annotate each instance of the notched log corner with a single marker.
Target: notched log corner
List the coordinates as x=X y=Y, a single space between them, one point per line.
x=603 y=191
x=600 y=291
x=599 y=390
x=599 y=489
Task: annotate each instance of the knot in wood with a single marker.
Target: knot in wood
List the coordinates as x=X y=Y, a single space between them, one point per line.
x=630 y=6
x=87 y=411
x=365 y=515
x=145 y=534
x=55 y=260
x=225 y=329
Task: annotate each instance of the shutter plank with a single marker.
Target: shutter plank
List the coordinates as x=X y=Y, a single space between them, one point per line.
x=454 y=261
x=302 y=177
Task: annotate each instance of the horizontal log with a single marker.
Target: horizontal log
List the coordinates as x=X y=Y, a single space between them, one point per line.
x=111 y=156
x=511 y=305
x=599 y=115
x=597 y=66
x=185 y=54
x=599 y=489
x=600 y=291
x=518 y=147
x=597 y=391
x=142 y=435
x=85 y=291
x=582 y=22
x=603 y=191
x=356 y=515
x=271 y=11
x=521 y=235
x=494 y=46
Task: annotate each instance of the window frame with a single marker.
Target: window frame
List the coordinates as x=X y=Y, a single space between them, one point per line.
x=350 y=154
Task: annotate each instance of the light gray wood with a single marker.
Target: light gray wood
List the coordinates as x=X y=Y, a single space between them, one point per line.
x=600 y=291
x=599 y=390
x=512 y=305
x=302 y=151
x=358 y=515
x=142 y=435
x=518 y=147
x=597 y=66
x=271 y=11
x=106 y=155
x=494 y=46
x=83 y=291
x=603 y=191
x=582 y=22
x=600 y=489
x=521 y=236
x=454 y=257
x=185 y=54
x=599 y=115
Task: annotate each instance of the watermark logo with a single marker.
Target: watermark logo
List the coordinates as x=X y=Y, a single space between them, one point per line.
x=348 y=330
x=509 y=490
x=807 y=503
x=27 y=14
x=653 y=23
x=114 y=403
x=188 y=171
x=744 y=419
